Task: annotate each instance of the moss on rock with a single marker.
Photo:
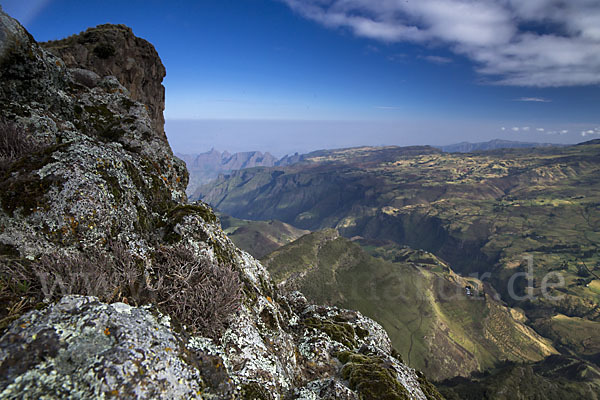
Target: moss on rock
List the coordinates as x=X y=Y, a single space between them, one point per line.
x=427 y=387
x=371 y=377
x=104 y=122
x=254 y=391
x=177 y=214
x=341 y=332
x=155 y=191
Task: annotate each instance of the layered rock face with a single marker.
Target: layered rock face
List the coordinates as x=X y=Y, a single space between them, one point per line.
x=114 y=50
x=98 y=171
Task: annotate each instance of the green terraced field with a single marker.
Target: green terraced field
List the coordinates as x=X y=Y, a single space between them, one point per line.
x=420 y=301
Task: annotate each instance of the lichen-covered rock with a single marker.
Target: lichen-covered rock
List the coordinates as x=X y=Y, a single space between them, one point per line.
x=80 y=348
x=324 y=389
x=104 y=173
x=114 y=50
x=85 y=77
x=103 y=169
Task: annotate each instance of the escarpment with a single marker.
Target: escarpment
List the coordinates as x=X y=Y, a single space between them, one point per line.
x=112 y=285
x=114 y=50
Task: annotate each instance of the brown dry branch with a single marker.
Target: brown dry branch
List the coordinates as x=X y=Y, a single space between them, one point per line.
x=14 y=143
x=196 y=292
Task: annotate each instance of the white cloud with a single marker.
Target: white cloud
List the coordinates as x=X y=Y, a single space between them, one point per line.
x=539 y=130
x=534 y=99
x=437 y=59
x=555 y=132
x=487 y=31
x=590 y=132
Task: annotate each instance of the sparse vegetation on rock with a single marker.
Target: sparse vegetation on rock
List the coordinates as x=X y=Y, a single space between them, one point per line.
x=196 y=292
x=14 y=144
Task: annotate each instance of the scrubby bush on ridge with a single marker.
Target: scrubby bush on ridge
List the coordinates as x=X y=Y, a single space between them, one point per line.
x=14 y=143
x=195 y=292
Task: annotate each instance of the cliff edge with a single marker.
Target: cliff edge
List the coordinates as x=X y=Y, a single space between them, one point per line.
x=114 y=50
x=113 y=286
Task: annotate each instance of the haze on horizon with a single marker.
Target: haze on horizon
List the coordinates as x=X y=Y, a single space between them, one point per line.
x=300 y=75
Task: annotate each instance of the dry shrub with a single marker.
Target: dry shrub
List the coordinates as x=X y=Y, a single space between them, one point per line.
x=197 y=292
x=14 y=143
x=110 y=276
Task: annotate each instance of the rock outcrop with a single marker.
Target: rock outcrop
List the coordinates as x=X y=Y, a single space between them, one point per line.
x=60 y=352
x=101 y=176
x=114 y=50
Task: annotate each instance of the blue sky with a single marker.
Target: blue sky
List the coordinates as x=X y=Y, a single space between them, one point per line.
x=292 y=75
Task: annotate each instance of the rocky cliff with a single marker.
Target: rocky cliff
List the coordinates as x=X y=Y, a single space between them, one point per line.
x=112 y=285
x=114 y=50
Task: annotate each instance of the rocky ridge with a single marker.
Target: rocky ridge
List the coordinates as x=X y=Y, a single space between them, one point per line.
x=101 y=172
x=114 y=50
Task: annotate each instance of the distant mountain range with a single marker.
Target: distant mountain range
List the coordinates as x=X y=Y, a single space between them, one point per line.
x=206 y=167
x=485 y=214
x=468 y=147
